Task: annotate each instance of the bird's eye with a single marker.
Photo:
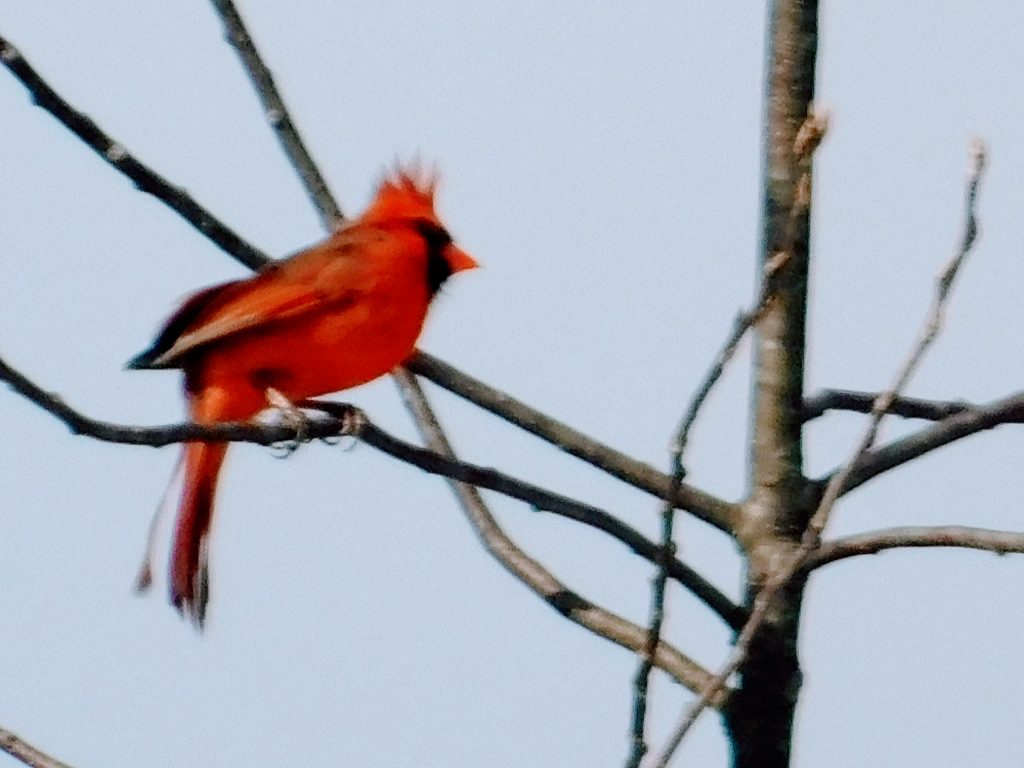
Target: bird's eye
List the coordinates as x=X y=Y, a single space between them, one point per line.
x=437 y=237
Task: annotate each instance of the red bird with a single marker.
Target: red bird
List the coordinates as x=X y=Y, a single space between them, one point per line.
x=334 y=316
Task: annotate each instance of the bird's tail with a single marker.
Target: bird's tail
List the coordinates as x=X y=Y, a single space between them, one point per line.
x=189 y=580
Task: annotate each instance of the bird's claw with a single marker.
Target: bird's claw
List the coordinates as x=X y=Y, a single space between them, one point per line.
x=290 y=416
x=285 y=449
x=353 y=422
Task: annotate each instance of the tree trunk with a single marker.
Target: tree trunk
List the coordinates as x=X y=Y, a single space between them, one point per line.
x=759 y=717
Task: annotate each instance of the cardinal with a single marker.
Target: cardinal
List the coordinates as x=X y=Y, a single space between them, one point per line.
x=331 y=317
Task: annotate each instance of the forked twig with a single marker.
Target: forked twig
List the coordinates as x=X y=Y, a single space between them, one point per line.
x=812 y=535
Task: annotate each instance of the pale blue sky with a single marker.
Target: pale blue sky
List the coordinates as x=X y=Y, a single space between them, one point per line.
x=601 y=160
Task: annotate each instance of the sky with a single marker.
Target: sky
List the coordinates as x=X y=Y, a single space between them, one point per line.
x=602 y=162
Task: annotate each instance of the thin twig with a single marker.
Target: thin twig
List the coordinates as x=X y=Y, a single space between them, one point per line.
x=873 y=542
x=812 y=535
x=712 y=510
x=743 y=322
x=277 y=115
x=115 y=154
x=350 y=421
x=21 y=750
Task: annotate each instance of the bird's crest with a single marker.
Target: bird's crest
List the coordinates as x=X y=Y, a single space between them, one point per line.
x=404 y=193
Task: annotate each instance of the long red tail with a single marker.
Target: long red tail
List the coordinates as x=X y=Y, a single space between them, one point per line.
x=189 y=581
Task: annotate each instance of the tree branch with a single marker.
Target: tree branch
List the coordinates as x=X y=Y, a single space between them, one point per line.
x=115 y=154
x=277 y=115
x=717 y=512
x=969 y=421
x=956 y=419
x=873 y=542
x=861 y=402
x=349 y=421
x=24 y=752
x=537 y=578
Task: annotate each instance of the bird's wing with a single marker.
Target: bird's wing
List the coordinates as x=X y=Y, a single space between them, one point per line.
x=330 y=275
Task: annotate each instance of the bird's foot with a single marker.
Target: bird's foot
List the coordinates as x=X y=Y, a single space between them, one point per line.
x=353 y=422
x=291 y=416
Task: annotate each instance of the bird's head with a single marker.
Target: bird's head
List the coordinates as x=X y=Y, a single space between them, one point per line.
x=406 y=197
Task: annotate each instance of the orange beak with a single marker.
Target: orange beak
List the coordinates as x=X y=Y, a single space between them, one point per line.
x=459 y=260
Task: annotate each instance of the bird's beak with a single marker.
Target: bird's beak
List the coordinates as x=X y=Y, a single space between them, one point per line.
x=459 y=260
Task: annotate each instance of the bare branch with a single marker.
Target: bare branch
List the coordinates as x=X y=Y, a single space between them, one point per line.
x=277 y=115
x=21 y=750
x=933 y=327
x=537 y=578
x=115 y=154
x=861 y=402
x=811 y=539
x=743 y=322
x=873 y=542
x=710 y=509
x=793 y=131
x=970 y=421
